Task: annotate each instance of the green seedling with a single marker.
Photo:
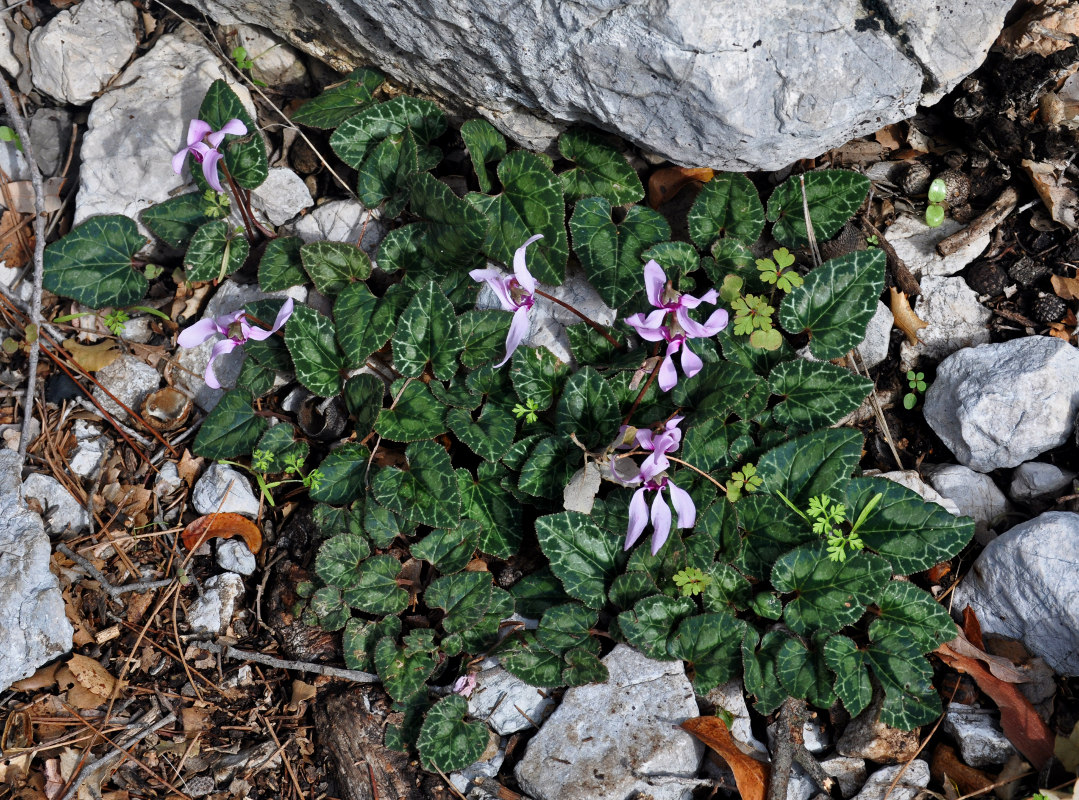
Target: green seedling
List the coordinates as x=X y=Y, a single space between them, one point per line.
x=827 y=519
x=916 y=381
x=691 y=581
x=779 y=271
x=528 y=411
x=745 y=480
x=9 y=135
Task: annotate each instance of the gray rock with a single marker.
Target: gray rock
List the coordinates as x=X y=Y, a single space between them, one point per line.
x=168 y=479
x=1025 y=585
x=50 y=136
x=974 y=494
x=915 y=778
x=75 y=54
x=484 y=769
x=955 y=320
x=981 y=742
x=129 y=381
x=8 y=62
x=342 y=221
x=813 y=736
x=916 y=243
x=548 y=320
x=137 y=330
x=134 y=129
x=33 y=626
x=60 y=509
x=848 y=772
x=913 y=481
x=13 y=162
x=1036 y=479
x=211 y=612
x=706 y=84
x=223 y=489
x=999 y=405
x=867 y=737
x=275 y=63
x=85 y=459
x=233 y=556
x=505 y=702
x=615 y=739
x=282 y=196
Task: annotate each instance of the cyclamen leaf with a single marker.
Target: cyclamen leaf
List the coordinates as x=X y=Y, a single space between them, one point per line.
x=566 y=626
x=588 y=409
x=448 y=550
x=336 y=105
x=343 y=472
x=427 y=493
x=312 y=341
x=769 y=530
x=728 y=205
x=92 y=264
x=176 y=220
x=804 y=674
x=417 y=415
x=490 y=436
x=280 y=442
x=245 y=156
x=600 y=170
x=611 y=254
x=534 y=664
x=215 y=251
x=427 y=333
x=464 y=598
x=357 y=136
x=360 y=637
x=652 y=623
x=760 y=669
x=376 y=590
x=450 y=235
x=538 y=376
x=629 y=587
x=819 y=463
x=909 y=697
x=550 y=466
x=383 y=178
x=281 y=265
x=674 y=257
x=340 y=558
x=815 y=394
x=231 y=429
x=909 y=611
x=363 y=398
x=485 y=501
x=403 y=674
x=334 y=265
x=583 y=667
x=584 y=557
x=483 y=336
x=832 y=195
x=836 y=302
x=446 y=741
x=484 y=144
x=852 y=682
x=331 y=611
x=712 y=646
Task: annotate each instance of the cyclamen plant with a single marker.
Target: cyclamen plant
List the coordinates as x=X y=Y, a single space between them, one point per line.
x=492 y=452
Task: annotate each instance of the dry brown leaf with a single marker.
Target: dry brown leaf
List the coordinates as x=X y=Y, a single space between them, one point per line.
x=750 y=775
x=301 y=693
x=1055 y=189
x=1046 y=29
x=905 y=318
x=91 y=675
x=222 y=526
x=972 y=628
x=14 y=768
x=667 y=182
x=1001 y=667
x=891 y=137
x=77 y=695
x=1018 y=718
x=189 y=468
x=196 y=719
x=18 y=732
x=23 y=199
x=15 y=245
x=1065 y=288
x=946 y=767
x=1061 y=331
x=54 y=784
x=92 y=357
x=44 y=677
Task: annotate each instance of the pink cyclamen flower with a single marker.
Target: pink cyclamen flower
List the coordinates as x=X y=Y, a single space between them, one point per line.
x=656 y=482
x=202 y=144
x=666 y=441
x=236 y=330
x=515 y=293
x=465 y=685
x=657 y=325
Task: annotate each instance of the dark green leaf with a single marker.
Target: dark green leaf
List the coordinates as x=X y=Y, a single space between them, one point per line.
x=92 y=264
x=281 y=265
x=427 y=333
x=335 y=105
x=583 y=556
x=909 y=697
x=231 y=429
x=550 y=466
x=446 y=741
x=760 y=669
x=176 y=220
x=588 y=409
x=600 y=170
x=484 y=144
x=533 y=664
x=343 y=473
x=331 y=611
x=403 y=673
x=363 y=398
x=360 y=638
x=804 y=674
x=490 y=436
x=727 y=589
x=538 y=376
x=386 y=173
x=674 y=257
x=312 y=341
x=359 y=134
x=426 y=493
x=912 y=612
x=464 y=597
x=769 y=530
x=583 y=667
x=652 y=622
x=339 y=561
x=819 y=463
x=381 y=525
x=483 y=336
x=245 y=156
x=728 y=205
x=712 y=644
x=565 y=626
x=376 y=591
x=537 y=592
x=280 y=442
x=815 y=393
x=415 y=416
x=448 y=550
x=364 y=322
x=334 y=265
x=629 y=587
x=832 y=195
x=852 y=682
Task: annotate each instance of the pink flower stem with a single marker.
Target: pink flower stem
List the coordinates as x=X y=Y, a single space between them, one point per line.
x=243 y=202
x=699 y=471
x=592 y=323
x=645 y=388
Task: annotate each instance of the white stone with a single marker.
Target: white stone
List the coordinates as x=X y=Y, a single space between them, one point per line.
x=548 y=320
x=1025 y=585
x=223 y=489
x=999 y=405
x=700 y=83
x=282 y=196
x=129 y=381
x=955 y=320
x=60 y=509
x=275 y=63
x=8 y=62
x=1036 y=479
x=916 y=244
x=813 y=736
x=168 y=479
x=731 y=697
x=848 y=772
x=85 y=459
x=137 y=330
x=211 y=612
x=33 y=626
x=75 y=54
x=973 y=493
x=135 y=128
x=507 y=703
x=233 y=556
x=342 y=221
x=915 y=778
x=981 y=742
x=913 y=481
x=867 y=737
x=614 y=739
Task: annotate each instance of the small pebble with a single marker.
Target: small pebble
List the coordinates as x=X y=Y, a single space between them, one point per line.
x=233 y=556
x=1026 y=271
x=987 y=278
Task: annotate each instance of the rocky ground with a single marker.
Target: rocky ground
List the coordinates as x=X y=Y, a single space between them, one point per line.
x=120 y=681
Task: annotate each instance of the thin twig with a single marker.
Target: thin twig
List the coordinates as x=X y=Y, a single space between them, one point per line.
x=591 y=322
x=983 y=225
x=810 y=234
x=21 y=131
x=112 y=591
x=228 y=651
x=699 y=471
x=788 y=735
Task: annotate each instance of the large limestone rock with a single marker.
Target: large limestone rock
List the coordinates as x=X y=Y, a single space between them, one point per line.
x=719 y=84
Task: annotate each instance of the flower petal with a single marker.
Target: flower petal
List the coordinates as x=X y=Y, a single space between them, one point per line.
x=638 y=518
x=209 y=169
x=650 y=328
x=520 y=269
x=499 y=283
x=199 y=333
x=518 y=330
x=683 y=504
x=655 y=463
x=222 y=347
x=179 y=159
x=668 y=375
x=261 y=334
x=197 y=131
x=695 y=330
x=691 y=362
x=661 y=521
x=689 y=301
x=655 y=280
x=233 y=127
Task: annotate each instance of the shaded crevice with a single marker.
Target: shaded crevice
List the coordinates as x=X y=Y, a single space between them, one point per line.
x=879 y=17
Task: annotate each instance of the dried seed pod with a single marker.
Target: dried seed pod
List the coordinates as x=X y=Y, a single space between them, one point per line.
x=915 y=179
x=1049 y=308
x=166 y=409
x=986 y=278
x=957 y=186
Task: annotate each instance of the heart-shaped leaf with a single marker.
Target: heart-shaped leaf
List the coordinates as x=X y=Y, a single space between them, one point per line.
x=343 y=472
x=384 y=177
x=674 y=257
x=231 y=429
x=583 y=667
x=484 y=144
x=357 y=136
x=281 y=265
x=611 y=254
x=566 y=626
x=487 y=502
x=446 y=741
x=852 y=682
x=312 y=341
x=448 y=549
x=363 y=396
x=426 y=492
x=832 y=195
x=215 y=252
x=490 y=436
x=483 y=336
x=176 y=220
x=804 y=673
x=344 y=100
x=360 y=638
x=376 y=590
x=652 y=622
x=815 y=394
x=245 y=156
x=463 y=597
x=427 y=333
x=365 y=322
x=759 y=663
x=819 y=463
x=550 y=466
x=584 y=557
x=281 y=443
x=533 y=663
x=600 y=170
x=728 y=205
x=712 y=644
x=538 y=376
x=907 y=610
x=909 y=697
x=769 y=529
x=416 y=415
x=334 y=265
x=588 y=409
x=403 y=672
x=340 y=558
x=93 y=264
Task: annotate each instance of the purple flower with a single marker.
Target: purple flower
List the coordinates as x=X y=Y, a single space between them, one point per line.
x=661 y=512
x=202 y=144
x=657 y=327
x=236 y=330
x=514 y=293
x=465 y=685
x=666 y=441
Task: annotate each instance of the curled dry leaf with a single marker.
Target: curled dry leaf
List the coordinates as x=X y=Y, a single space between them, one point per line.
x=1056 y=190
x=1065 y=288
x=669 y=181
x=16 y=243
x=92 y=676
x=946 y=768
x=905 y=318
x=222 y=526
x=580 y=492
x=92 y=357
x=1046 y=29
x=750 y=775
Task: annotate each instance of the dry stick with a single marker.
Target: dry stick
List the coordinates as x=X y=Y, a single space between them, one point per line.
x=699 y=471
x=901 y=274
x=993 y=216
x=591 y=322
x=791 y=716
x=19 y=124
x=874 y=403
x=284 y=755
x=228 y=651
x=112 y=591
x=810 y=235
